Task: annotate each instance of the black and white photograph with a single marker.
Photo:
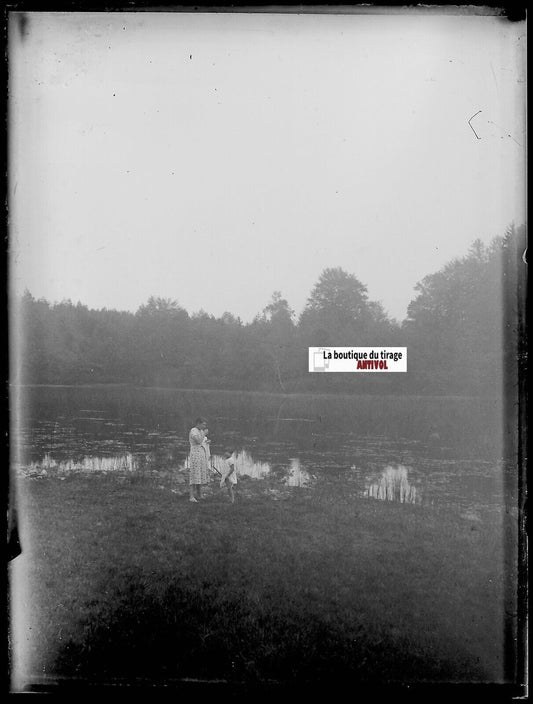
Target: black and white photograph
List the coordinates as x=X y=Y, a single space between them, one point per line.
x=267 y=347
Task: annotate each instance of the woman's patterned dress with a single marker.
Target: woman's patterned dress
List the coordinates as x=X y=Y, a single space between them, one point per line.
x=199 y=473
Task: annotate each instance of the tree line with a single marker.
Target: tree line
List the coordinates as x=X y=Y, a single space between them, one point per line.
x=461 y=332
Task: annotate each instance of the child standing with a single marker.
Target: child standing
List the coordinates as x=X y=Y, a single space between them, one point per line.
x=229 y=474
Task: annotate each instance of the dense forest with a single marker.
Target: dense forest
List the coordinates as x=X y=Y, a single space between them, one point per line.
x=462 y=332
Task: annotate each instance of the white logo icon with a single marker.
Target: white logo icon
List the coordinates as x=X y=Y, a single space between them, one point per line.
x=319 y=363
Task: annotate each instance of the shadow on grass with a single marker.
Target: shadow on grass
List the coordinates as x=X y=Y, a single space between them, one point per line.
x=153 y=627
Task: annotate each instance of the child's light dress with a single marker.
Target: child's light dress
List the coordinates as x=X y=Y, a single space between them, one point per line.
x=228 y=464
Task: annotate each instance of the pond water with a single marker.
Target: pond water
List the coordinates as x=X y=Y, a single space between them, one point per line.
x=406 y=449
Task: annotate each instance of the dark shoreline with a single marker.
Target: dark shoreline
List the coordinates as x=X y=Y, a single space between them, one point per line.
x=255 y=392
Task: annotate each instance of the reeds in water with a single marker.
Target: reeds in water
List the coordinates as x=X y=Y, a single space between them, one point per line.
x=393 y=486
x=121 y=463
x=297 y=476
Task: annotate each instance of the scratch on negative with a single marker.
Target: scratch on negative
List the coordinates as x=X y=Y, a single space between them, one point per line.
x=470 y=123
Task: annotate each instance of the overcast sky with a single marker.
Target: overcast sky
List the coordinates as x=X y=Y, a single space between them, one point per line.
x=215 y=158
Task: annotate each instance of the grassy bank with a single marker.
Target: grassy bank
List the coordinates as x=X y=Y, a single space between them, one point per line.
x=126 y=579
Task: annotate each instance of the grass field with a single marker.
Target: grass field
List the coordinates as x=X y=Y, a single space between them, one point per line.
x=127 y=581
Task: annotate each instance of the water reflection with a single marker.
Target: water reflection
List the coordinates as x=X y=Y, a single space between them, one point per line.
x=298 y=453
x=471 y=427
x=393 y=485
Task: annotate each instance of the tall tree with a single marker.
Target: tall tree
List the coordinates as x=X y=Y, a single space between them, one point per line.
x=454 y=324
x=339 y=313
x=275 y=332
x=163 y=340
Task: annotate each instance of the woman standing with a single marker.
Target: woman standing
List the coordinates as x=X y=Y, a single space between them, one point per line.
x=199 y=473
